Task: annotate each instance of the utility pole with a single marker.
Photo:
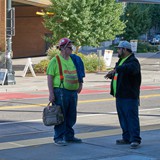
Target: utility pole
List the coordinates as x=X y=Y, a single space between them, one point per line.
x=10 y=79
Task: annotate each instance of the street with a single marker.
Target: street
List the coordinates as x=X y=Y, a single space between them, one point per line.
x=23 y=135
x=96 y=111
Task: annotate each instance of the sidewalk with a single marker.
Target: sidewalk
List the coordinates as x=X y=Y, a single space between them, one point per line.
x=100 y=146
x=37 y=143
x=149 y=64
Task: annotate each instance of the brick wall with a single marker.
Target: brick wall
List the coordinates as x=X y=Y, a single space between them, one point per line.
x=2 y=25
x=29 y=32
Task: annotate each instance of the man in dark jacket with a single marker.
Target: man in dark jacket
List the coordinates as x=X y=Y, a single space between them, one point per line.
x=125 y=87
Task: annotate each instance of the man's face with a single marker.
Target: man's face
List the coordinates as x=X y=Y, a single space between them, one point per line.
x=68 y=49
x=121 y=52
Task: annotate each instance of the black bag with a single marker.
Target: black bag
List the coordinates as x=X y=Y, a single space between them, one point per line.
x=52 y=115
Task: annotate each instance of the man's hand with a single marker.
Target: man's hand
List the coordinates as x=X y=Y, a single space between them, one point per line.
x=51 y=97
x=50 y=88
x=80 y=87
x=110 y=74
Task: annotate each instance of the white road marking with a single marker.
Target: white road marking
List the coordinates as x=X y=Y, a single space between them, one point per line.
x=79 y=116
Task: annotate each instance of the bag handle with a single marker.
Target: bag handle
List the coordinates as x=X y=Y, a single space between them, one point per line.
x=48 y=106
x=50 y=103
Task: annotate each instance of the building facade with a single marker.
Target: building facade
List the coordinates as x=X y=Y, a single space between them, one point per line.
x=29 y=30
x=2 y=25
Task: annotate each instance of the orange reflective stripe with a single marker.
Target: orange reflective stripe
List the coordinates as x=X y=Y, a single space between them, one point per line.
x=115 y=78
x=72 y=81
x=70 y=72
x=61 y=77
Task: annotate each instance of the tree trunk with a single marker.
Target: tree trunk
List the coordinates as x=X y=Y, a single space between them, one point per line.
x=77 y=48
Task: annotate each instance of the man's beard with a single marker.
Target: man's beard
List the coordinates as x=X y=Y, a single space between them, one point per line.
x=120 y=55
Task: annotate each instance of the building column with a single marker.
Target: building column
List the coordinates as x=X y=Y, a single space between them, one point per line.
x=3 y=25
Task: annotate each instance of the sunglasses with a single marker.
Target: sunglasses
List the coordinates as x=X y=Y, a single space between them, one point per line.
x=120 y=48
x=69 y=48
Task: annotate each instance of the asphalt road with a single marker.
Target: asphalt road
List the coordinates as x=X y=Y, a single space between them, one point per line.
x=23 y=136
x=95 y=101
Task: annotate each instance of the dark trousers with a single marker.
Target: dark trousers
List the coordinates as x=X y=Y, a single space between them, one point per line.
x=68 y=101
x=128 y=115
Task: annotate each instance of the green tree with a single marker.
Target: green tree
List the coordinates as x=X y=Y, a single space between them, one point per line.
x=87 y=22
x=155 y=16
x=138 y=20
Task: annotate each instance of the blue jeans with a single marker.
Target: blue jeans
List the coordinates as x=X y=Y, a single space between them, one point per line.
x=68 y=101
x=128 y=115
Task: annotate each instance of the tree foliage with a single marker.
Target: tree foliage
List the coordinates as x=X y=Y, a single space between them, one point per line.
x=138 y=20
x=155 y=16
x=87 y=22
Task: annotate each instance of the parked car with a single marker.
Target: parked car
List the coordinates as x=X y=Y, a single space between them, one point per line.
x=116 y=40
x=155 y=39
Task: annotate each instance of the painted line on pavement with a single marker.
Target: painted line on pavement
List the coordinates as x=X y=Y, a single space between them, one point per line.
x=141 y=110
x=40 y=120
x=44 y=105
x=9 y=96
x=82 y=101
x=79 y=116
x=49 y=140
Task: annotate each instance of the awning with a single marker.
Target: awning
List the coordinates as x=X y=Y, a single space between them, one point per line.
x=39 y=3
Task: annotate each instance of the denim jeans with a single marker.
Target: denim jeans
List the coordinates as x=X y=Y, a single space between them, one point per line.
x=128 y=115
x=68 y=101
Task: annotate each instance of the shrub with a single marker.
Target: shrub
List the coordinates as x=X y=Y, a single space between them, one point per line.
x=144 y=47
x=152 y=48
x=92 y=63
x=41 y=67
x=51 y=52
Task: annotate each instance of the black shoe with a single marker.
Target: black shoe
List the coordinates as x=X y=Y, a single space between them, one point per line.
x=135 y=145
x=122 y=141
x=74 y=140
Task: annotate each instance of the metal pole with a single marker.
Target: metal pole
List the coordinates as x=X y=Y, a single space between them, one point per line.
x=10 y=75
x=99 y=59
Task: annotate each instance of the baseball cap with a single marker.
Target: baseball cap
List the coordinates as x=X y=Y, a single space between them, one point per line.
x=64 y=42
x=124 y=44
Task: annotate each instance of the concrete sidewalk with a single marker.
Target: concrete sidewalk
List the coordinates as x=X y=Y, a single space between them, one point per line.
x=150 y=64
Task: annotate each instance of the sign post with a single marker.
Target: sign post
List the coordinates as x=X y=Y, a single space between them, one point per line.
x=108 y=57
x=3 y=73
x=10 y=32
x=134 y=44
x=28 y=66
x=99 y=52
